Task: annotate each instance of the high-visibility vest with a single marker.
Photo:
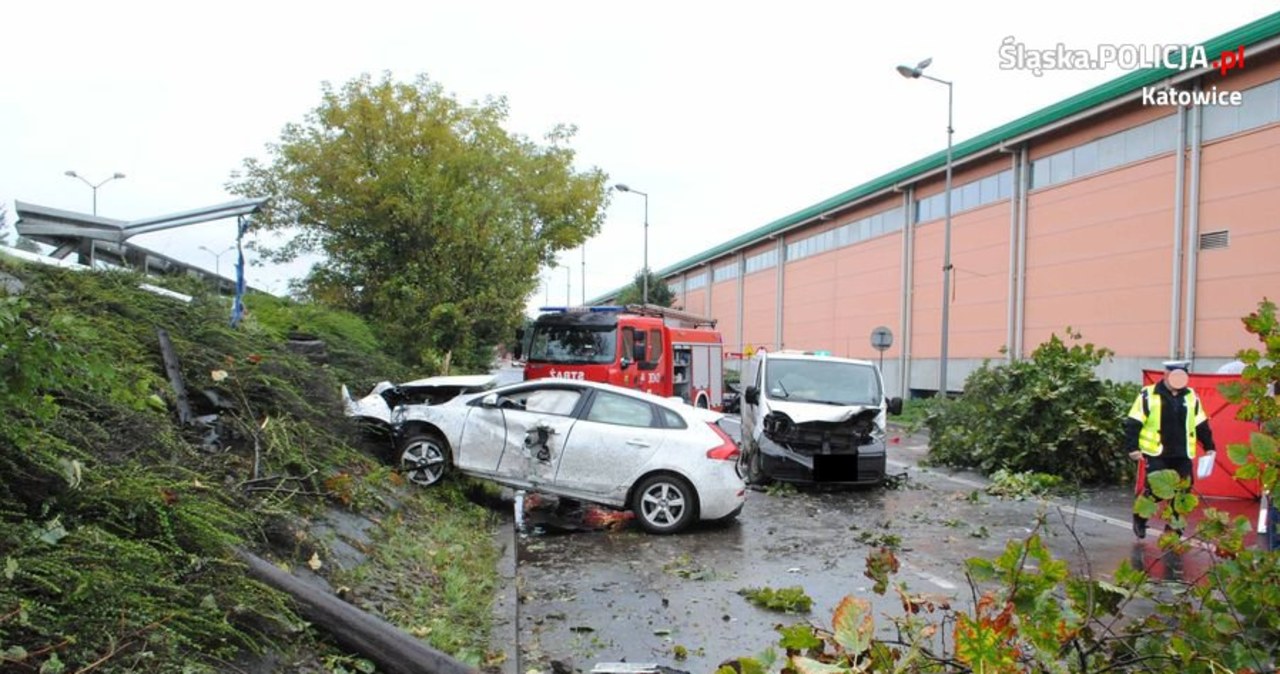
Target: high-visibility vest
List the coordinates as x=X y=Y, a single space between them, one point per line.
x=1146 y=409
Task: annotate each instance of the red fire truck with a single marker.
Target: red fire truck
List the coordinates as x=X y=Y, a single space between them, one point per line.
x=664 y=351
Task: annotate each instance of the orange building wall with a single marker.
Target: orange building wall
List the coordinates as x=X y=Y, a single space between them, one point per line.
x=724 y=307
x=696 y=301
x=868 y=291
x=809 y=301
x=1099 y=259
x=759 y=316
x=1241 y=194
x=978 y=317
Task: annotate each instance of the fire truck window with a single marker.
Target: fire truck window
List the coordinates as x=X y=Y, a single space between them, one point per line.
x=655 y=346
x=628 y=342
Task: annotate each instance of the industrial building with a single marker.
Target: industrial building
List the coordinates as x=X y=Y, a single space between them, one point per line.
x=1143 y=219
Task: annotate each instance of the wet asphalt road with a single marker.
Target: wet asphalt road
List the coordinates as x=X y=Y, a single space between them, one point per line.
x=589 y=597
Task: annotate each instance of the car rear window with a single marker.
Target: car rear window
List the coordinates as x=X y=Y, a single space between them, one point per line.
x=672 y=420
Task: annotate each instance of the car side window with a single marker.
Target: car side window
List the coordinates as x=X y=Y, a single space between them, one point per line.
x=672 y=420
x=543 y=401
x=612 y=408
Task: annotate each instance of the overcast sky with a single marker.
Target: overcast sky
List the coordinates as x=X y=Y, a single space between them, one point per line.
x=729 y=114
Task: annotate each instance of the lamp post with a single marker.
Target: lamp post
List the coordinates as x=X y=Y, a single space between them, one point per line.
x=623 y=188
x=217 y=263
x=94 y=186
x=912 y=73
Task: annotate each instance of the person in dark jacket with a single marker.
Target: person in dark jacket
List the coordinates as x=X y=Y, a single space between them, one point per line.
x=1162 y=428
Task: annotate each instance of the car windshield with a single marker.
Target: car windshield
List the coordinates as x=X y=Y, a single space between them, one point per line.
x=573 y=344
x=822 y=381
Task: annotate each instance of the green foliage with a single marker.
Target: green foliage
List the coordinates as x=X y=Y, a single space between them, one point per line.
x=117 y=523
x=1007 y=484
x=433 y=220
x=659 y=293
x=786 y=600
x=1256 y=394
x=1048 y=414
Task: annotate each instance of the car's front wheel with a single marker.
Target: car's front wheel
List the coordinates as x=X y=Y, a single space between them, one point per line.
x=665 y=504
x=424 y=458
x=753 y=468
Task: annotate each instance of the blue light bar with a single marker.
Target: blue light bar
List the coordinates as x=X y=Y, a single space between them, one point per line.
x=578 y=310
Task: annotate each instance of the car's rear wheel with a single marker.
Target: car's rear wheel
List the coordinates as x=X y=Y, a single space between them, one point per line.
x=665 y=504
x=424 y=458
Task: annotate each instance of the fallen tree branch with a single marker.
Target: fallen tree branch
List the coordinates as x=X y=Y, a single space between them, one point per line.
x=392 y=649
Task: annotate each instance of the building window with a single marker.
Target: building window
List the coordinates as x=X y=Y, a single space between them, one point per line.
x=725 y=272
x=695 y=282
x=760 y=261
x=970 y=195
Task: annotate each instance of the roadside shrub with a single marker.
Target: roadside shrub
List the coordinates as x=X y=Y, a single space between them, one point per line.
x=1047 y=414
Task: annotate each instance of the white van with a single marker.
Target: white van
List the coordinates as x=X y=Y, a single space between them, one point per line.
x=813 y=419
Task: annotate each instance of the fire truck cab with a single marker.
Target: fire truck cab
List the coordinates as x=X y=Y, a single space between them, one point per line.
x=663 y=351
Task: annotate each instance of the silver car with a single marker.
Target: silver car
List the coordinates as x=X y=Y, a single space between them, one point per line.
x=671 y=464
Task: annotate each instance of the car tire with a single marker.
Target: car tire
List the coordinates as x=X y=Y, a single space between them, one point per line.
x=664 y=504
x=755 y=474
x=425 y=458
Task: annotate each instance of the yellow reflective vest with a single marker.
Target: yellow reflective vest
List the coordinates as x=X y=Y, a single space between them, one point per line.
x=1146 y=409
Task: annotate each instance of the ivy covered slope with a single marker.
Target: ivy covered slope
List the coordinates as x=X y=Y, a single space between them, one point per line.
x=118 y=522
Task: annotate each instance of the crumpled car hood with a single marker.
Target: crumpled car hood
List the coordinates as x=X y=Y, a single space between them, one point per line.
x=803 y=413
x=374 y=405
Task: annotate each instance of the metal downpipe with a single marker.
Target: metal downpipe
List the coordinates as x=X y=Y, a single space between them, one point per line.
x=1179 y=189
x=1193 y=238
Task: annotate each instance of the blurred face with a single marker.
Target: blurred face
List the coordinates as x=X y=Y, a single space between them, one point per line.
x=1176 y=380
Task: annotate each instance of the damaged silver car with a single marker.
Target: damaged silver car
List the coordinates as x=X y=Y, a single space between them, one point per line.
x=809 y=418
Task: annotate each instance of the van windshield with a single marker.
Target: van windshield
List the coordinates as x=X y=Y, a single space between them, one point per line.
x=573 y=344
x=822 y=381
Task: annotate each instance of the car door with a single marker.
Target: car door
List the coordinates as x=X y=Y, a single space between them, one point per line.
x=537 y=423
x=616 y=436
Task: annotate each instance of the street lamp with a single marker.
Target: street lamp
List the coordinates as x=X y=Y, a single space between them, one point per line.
x=93 y=186
x=911 y=74
x=217 y=262
x=623 y=188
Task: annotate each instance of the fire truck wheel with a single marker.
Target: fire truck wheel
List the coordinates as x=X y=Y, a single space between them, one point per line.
x=664 y=504
x=424 y=458
x=702 y=402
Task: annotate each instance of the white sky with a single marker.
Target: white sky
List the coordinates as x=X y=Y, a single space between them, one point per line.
x=730 y=115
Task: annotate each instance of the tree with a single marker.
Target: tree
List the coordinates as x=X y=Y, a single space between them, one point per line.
x=432 y=219
x=659 y=293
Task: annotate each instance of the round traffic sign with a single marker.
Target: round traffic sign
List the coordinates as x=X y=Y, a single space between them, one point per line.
x=881 y=338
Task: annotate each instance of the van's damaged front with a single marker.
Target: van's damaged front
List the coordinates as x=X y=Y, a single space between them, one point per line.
x=820 y=444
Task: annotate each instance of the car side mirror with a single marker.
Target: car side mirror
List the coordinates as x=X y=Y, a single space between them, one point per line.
x=490 y=400
x=751 y=395
x=895 y=405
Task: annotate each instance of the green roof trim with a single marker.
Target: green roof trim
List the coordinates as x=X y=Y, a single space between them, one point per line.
x=1265 y=28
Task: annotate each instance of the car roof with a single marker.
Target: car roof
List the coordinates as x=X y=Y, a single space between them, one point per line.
x=800 y=355
x=673 y=405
